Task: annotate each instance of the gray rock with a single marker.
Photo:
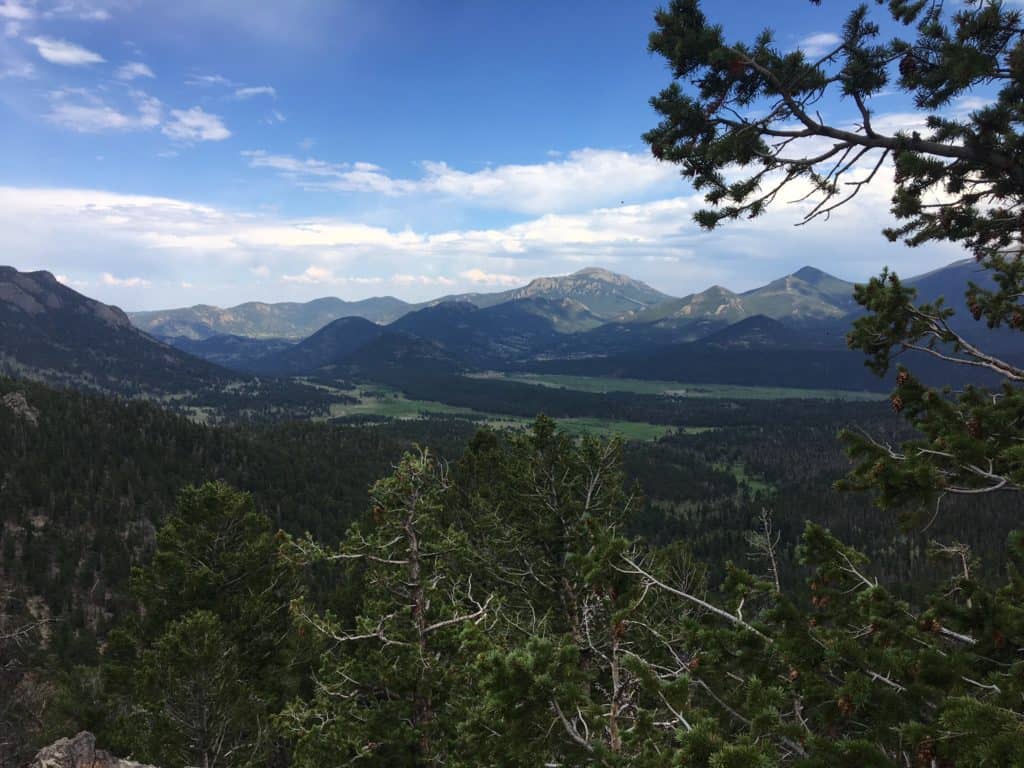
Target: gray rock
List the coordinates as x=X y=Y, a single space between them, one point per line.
x=79 y=752
x=16 y=402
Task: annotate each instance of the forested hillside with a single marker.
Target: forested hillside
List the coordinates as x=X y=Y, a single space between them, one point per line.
x=574 y=523
x=89 y=481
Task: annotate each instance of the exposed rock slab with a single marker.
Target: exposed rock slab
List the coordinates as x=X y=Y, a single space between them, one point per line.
x=19 y=405
x=79 y=752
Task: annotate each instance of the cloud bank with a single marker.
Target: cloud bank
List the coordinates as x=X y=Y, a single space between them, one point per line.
x=232 y=256
x=579 y=180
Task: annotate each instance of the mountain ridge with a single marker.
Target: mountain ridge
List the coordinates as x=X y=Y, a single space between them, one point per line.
x=598 y=295
x=51 y=332
x=51 y=327
x=257 y=319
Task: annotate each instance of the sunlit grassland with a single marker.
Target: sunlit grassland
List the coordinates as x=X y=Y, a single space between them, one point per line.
x=605 y=384
x=388 y=403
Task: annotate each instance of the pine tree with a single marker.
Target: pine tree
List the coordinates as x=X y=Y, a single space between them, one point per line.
x=391 y=687
x=865 y=678
x=752 y=106
x=195 y=678
x=572 y=671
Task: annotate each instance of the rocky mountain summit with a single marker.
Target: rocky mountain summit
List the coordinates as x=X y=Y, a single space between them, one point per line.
x=79 y=752
x=16 y=402
x=37 y=293
x=51 y=332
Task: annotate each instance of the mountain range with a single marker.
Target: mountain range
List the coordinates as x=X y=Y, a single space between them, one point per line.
x=582 y=300
x=789 y=332
x=256 y=319
x=52 y=332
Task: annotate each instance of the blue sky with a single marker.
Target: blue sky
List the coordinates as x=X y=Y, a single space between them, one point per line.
x=215 y=151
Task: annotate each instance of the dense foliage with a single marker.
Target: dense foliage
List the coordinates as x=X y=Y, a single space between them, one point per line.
x=523 y=604
x=497 y=612
x=89 y=483
x=901 y=687
x=958 y=178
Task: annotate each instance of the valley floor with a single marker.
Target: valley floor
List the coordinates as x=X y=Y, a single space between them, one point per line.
x=605 y=384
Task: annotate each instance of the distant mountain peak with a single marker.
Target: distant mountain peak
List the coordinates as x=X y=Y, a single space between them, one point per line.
x=812 y=275
x=37 y=293
x=51 y=331
x=599 y=273
x=716 y=290
x=257 y=319
x=756 y=331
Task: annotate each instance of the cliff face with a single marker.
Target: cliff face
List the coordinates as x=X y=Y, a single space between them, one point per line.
x=79 y=752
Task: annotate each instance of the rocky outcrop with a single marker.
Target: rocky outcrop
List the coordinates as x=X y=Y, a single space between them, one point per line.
x=79 y=752
x=19 y=405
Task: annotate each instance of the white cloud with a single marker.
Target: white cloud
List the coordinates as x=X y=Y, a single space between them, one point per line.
x=20 y=69
x=70 y=282
x=16 y=11
x=194 y=124
x=819 y=44
x=64 y=53
x=133 y=70
x=314 y=275
x=90 y=232
x=896 y=122
x=255 y=90
x=967 y=104
x=122 y=282
x=581 y=179
x=478 y=276
x=430 y=280
x=75 y=9
x=208 y=80
x=313 y=173
x=84 y=112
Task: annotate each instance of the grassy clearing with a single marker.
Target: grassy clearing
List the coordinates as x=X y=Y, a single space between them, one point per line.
x=754 y=483
x=602 y=384
x=388 y=403
x=393 y=405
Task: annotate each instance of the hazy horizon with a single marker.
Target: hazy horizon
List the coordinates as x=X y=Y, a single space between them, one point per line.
x=224 y=152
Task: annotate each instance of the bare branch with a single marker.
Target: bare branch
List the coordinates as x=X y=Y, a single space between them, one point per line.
x=636 y=569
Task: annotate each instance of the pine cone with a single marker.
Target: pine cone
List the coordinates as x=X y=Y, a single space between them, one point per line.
x=902 y=378
x=897 y=403
x=926 y=752
x=974 y=427
x=908 y=65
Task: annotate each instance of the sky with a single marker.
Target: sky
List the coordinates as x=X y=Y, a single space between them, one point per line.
x=161 y=154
